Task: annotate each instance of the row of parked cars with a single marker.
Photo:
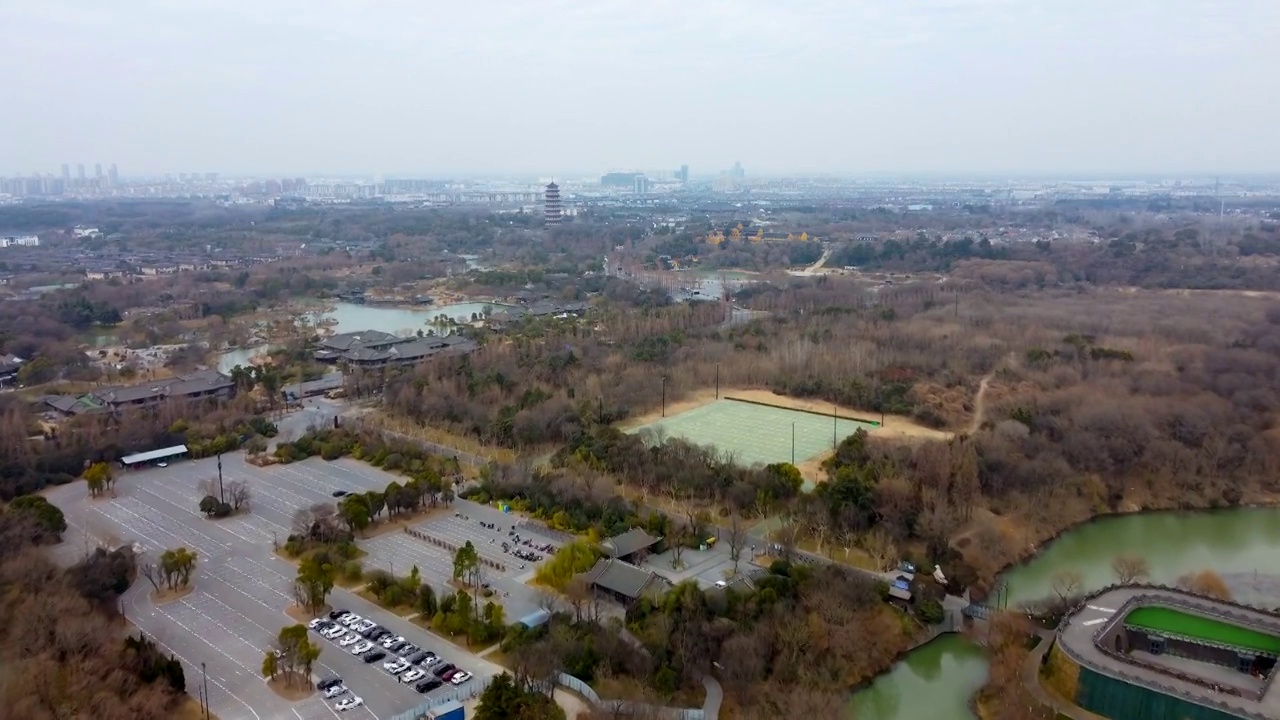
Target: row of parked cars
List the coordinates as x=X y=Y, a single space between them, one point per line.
x=412 y=665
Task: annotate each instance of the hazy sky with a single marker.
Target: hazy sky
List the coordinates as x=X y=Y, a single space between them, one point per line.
x=432 y=87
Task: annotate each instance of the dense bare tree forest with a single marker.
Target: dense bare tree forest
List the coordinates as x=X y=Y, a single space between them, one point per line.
x=31 y=458
x=65 y=651
x=806 y=631
x=1100 y=400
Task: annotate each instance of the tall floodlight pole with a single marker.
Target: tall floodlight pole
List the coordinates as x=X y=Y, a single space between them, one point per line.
x=221 y=495
x=664 y=396
x=793 y=443
x=207 y=712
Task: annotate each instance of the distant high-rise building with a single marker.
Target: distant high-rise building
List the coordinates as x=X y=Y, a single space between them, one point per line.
x=683 y=174
x=623 y=180
x=737 y=172
x=113 y=175
x=97 y=170
x=66 y=172
x=80 y=171
x=641 y=185
x=553 y=212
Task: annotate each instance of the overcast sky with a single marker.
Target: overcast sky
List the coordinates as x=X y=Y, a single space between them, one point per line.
x=434 y=87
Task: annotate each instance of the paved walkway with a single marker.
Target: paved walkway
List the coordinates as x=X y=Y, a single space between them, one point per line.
x=715 y=695
x=1031 y=678
x=574 y=707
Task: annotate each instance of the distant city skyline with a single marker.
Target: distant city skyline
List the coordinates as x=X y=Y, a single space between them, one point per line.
x=844 y=87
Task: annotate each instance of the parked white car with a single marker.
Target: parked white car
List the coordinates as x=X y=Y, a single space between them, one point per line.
x=350 y=639
x=352 y=702
x=460 y=678
x=412 y=676
x=361 y=647
x=351 y=620
x=335 y=691
x=397 y=666
x=334 y=632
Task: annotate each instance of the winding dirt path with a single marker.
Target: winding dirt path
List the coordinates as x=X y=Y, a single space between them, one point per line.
x=980 y=399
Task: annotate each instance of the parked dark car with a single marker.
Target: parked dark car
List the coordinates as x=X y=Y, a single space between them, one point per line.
x=340 y=493
x=408 y=650
x=419 y=656
x=328 y=682
x=428 y=685
x=396 y=645
x=440 y=671
x=374 y=656
x=337 y=613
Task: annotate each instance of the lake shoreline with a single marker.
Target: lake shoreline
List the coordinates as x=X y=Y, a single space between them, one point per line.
x=1042 y=547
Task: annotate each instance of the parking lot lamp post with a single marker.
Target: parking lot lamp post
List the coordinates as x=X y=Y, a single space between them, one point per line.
x=793 y=443
x=205 y=676
x=221 y=496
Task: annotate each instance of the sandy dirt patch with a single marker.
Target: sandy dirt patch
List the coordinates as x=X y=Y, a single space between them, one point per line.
x=302 y=615
x=291 y=688
x=895 y=426
x=166 y=595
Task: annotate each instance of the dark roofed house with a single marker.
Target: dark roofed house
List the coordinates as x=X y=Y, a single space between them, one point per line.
x=194 y=386
x=625 y=582
x=408 y=353
x=9 y=367
x=629 y=543
x=362 y=339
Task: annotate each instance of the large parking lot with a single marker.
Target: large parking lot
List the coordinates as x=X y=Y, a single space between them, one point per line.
x=467 y=521
x=242 y=589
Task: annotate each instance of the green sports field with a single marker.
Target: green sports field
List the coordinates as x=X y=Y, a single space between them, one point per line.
x=755 y=433
x=1198 y=627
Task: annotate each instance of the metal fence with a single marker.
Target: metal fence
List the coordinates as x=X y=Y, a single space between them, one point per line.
x=627 y=707
x=461 y=694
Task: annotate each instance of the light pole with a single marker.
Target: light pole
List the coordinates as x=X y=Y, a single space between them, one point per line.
x=221 y=496
x=664 y=396
x=717 y=381
x=205 y=675
x=793 y=443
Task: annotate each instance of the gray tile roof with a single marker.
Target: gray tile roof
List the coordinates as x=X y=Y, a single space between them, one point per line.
x=361 y=339
x=624 y=578
x=628 y=542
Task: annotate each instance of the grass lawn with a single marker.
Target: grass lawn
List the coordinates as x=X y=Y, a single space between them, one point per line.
x=1199 y=627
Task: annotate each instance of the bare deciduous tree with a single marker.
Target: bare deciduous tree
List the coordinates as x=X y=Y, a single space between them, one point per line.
x=1066 y=584
x=238 y=494
x=1129 y=568
x=737 y=539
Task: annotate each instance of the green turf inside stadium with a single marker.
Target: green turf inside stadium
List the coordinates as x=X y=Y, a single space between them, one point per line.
x=757 y=433
x=1200 y=627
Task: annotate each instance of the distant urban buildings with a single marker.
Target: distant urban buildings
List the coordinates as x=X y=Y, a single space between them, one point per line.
x=19 y=241
x=553 y=212
x=683 y=174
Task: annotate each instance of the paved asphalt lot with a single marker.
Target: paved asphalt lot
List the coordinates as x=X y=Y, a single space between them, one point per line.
x=398 y=552
x=241 y=587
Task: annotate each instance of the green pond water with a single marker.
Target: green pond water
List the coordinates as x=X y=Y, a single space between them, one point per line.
x=1235 y=543
x=1242 y=544
x=351 y=317
x=934 y=682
